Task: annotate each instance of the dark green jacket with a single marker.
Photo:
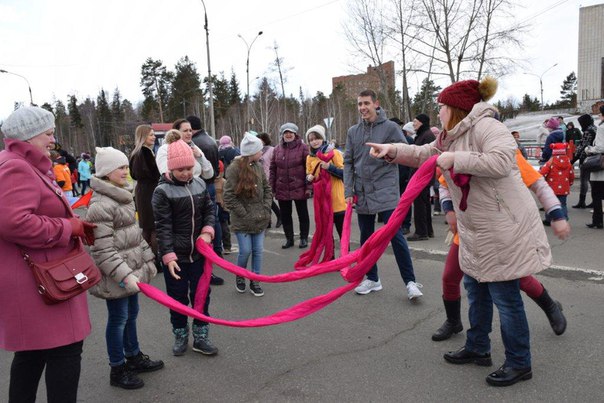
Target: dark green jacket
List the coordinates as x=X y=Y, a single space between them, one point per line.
x=248 y=215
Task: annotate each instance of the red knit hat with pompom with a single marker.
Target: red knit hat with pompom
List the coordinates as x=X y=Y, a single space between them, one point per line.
x=465 y=94
x=558 y=148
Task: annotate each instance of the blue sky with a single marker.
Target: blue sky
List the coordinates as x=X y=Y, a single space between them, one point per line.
x=78 y=47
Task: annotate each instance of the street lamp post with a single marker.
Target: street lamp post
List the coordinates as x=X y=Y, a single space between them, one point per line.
x=31 y=99
x=211 y=94
x=247 y=71
x=541 y=81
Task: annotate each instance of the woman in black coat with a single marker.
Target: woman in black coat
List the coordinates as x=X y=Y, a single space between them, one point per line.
x=144 y=171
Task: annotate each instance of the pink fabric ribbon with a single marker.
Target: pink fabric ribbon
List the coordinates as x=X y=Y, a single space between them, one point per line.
x=463 y=181
x=322 y=240
x=363 y=259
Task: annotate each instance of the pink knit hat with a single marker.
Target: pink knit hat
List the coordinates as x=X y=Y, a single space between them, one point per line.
x=553 y=123
x=225 y=140
x=180 y=155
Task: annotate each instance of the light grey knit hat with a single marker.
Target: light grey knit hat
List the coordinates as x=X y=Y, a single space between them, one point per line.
x=107 y=160
x=318 y=129
x=250 y=145
x=27 y=122
x=288 y=127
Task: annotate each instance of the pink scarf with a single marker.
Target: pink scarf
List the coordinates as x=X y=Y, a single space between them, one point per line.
x=322 y=240
x=363 y=259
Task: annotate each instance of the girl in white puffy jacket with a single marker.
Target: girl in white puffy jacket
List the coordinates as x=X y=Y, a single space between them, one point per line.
x=124 y=259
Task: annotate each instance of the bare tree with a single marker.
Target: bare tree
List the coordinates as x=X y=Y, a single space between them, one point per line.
x=368 y=32
x=461 y=37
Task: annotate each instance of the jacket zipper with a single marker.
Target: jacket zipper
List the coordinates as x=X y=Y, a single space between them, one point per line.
x=501 y=203
x=192 y=222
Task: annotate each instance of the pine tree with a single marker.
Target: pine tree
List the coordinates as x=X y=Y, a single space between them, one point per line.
x=425 y=100
x=74 y=112
x=569 y=91
x=105 y=120
x=156 y=81
x=234 y=92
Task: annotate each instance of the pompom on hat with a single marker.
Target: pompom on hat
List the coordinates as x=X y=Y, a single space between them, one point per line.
x=250 y=145
x=465 y=94
x=180 y=155
x=27 y=122
x=553 y=123
x=107 y=160
x=318 y=129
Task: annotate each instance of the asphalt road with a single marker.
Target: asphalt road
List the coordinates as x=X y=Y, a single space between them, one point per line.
x=362 y=348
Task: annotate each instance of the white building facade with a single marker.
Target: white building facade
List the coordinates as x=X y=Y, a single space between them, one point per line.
x=590 y=73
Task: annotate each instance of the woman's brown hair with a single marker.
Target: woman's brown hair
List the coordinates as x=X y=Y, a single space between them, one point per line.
x=177 y=123
x=246 y=183
x=457 y=115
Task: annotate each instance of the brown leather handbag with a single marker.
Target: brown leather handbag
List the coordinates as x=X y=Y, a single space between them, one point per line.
x=62 y=279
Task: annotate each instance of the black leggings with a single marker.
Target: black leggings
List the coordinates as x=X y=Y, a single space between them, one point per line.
x=62 y=374
x=286 y=217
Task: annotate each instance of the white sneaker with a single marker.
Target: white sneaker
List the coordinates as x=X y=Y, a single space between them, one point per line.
x=367 y=286
x=413 y=290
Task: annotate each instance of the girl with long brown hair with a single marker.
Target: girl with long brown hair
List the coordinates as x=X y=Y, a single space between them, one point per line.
x=248 y=197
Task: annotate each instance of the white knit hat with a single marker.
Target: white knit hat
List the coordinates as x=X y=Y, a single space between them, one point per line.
x=250 y=145
x=408 y=127
x=27 y=122
x=318 y=129
x=107 y=160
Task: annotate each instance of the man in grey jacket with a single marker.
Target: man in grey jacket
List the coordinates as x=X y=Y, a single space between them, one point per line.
x=375 y=184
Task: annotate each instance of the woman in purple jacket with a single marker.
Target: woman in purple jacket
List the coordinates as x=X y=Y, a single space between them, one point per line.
x=288 y=180
x=37 y=219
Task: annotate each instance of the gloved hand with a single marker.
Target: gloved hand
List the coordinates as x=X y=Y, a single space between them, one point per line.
x=89 y=232
x=130 y=284
x=83 y=229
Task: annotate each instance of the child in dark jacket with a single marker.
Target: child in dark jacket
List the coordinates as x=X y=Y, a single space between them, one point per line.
x=183 y=213
x=559 y=174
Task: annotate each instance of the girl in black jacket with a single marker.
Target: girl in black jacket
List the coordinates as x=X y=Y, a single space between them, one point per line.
x=183 y=213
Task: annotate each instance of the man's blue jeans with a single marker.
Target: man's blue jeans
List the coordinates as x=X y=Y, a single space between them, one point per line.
x=122 y=340
x=250 y=244
x=514 y=326
x=398 y=242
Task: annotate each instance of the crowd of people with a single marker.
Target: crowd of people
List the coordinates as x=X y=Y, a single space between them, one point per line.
x=192 y=188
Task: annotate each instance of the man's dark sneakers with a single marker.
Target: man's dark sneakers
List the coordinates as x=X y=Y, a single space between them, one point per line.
x=506 y=376
x=416 y=237
x=463 y=356
x=142 y=363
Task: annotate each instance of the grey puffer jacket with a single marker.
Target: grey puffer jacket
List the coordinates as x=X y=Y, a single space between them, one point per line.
x=372 y=180
x=248 y=215
x=119 y=248
x=501 y=236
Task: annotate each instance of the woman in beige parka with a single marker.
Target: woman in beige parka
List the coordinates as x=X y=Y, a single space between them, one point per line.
x=501 y=235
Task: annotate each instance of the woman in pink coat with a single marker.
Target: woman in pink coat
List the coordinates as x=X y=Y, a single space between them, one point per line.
x=36 y=218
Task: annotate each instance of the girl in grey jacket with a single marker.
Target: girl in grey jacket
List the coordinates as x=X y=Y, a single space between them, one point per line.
x=124 y=259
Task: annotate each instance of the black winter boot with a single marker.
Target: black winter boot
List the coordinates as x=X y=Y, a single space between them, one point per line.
x=123 y=377
x=453 y=323
x=142 y=363
x=581 y=203
x=553 y=310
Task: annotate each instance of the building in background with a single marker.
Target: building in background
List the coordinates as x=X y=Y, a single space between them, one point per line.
x=372 y=79
x=590 y=73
